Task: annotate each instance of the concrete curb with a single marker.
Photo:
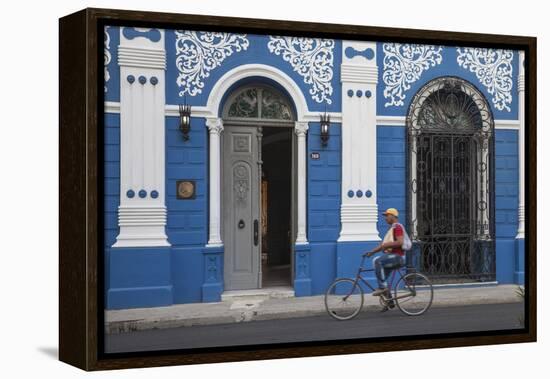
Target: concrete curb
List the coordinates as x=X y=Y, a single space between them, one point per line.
x=271 y=308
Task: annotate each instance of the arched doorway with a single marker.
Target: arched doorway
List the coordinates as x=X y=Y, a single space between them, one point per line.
x=258 y=183
x=450 y=143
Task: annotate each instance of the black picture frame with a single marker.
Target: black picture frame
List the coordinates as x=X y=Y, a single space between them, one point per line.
x=81 y=188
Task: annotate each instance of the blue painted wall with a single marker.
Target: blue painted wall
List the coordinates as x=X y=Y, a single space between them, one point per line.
x=187 y=272
x=448 y=66
x=113 y=84
x=257 y=52
x=111 y=176
x=390 y=172
x=134 y=277
x=323 y=203
x=187 y=219
x=506 y=190
x=111 y=188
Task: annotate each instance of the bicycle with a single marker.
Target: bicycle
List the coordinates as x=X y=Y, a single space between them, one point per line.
x=412 y=293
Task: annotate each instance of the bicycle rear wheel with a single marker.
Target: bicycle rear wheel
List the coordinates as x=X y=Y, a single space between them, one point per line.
x=344 y=299
x=413 y=294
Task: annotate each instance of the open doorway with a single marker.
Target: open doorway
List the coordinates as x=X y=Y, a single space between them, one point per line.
x=276 y=205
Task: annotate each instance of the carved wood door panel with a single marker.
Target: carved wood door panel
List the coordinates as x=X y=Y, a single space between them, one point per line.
x=241 y=207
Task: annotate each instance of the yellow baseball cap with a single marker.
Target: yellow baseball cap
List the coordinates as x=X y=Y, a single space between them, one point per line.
x=391 y=211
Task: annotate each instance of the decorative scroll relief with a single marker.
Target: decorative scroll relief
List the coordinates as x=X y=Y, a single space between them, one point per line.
x=493 y=69
x=403 y=65
x=312 y=58
x=240 y=182
x=106 y=55
x=198 y=53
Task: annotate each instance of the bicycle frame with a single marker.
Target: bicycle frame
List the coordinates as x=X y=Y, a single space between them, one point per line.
x=361 y=270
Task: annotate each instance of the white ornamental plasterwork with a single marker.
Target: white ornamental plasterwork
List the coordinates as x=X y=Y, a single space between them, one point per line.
x=493 y=69
x=198 y=53
x=312 y=58
x=106 y=55
x=403 y=65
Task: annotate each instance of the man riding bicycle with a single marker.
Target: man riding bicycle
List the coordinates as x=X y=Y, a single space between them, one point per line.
x=393 y=256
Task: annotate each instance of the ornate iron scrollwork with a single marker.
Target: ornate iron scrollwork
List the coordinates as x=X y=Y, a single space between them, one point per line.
x=450 y=171
x=260 y=103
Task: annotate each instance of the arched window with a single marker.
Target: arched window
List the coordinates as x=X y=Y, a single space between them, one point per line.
x=258 y=103
x=450 y=142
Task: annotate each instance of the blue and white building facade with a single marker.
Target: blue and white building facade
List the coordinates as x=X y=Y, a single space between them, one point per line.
x=244 y=90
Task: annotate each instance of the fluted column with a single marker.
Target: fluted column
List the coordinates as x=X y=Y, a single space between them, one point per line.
x=521 y=150
x=215 y=128
x=301 y=131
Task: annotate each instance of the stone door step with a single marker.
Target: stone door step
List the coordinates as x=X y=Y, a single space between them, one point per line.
x=259 y=294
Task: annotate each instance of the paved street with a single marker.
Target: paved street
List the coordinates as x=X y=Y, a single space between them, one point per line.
x=367 y=324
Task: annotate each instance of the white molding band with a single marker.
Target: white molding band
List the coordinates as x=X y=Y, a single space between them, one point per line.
x=215 y=128
x=381 y=120
x=384 y=120
x=111 y=107
x=134 y=219
x=202 y=111
x=142 y=210
x=359 y=209
x=139 y=57
x=359 y=73
x=521 y=143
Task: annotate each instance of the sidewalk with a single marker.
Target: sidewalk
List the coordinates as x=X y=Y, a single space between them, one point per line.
x=278 y=305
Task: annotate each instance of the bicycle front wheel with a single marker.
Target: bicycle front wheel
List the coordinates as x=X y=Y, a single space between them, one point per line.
x=413 y=294
x=344 y=299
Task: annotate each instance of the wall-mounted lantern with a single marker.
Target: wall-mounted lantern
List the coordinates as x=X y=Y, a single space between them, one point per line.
x=325 y=126
x=185 y=120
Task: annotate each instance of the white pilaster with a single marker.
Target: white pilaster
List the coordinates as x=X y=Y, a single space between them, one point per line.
x=301 y=131
x=359 y=77
x=521 y=149
x=142 y=210
x=215 y=127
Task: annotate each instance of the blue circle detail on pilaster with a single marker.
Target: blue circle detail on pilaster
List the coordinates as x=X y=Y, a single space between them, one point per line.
x=142 y=193
x=369 y=53
x=350 y=193
x=130 y=194
x=131 y=79
x=350 y=92
x=154 y=194
x=359 y=193
x=359 y=93
x=368 y=93
x=154 y=80
x=142 y=79
x=368 y=193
